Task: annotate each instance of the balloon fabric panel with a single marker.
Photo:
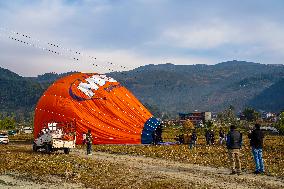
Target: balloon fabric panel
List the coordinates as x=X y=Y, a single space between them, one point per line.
x=97 y=103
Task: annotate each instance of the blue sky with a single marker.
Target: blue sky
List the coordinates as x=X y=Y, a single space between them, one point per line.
x=139 y=32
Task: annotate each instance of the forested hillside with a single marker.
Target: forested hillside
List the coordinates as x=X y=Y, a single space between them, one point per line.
x=271 y=98
x=18 y=93
x=176 y=88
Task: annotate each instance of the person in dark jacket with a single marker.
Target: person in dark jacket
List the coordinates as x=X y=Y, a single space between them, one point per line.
x=212 y=137
x=234 y=143
x=193 y=140
x=256 y=141
x=158 y=134
x=221 y=136
x=89 y=142
x=207 y=137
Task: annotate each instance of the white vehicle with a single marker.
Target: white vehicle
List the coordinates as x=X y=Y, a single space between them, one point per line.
x=28 y=130
x=4 y=138
x=56 y=136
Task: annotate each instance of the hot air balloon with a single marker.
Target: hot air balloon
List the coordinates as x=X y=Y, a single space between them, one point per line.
x=97 y=103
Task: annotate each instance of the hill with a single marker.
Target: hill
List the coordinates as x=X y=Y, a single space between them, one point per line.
x=179 y=88
x=18 y=94
x=168 y=88
x=271 y=98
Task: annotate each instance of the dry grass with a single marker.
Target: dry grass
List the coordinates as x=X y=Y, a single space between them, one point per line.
x=215 y=155
x=103 y=174
x=26 y=138
x=69 y=168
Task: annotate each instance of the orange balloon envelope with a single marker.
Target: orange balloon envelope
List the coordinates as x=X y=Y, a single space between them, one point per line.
x=97 y=103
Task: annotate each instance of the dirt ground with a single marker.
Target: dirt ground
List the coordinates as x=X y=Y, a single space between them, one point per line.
x=15 y=181
x=189 y=174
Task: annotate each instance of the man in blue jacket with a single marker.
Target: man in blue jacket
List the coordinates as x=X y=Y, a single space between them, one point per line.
x=256 y=142
x=234 y=143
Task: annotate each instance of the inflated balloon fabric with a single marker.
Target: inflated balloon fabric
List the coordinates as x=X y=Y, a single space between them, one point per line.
x=98 y=103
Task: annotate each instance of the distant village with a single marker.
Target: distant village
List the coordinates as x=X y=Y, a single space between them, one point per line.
x=201 y=120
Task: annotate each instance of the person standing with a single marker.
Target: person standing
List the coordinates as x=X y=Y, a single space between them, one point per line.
x=89 y=142
x=212 y=137
x=207 y=137
x=256 y=141
x=234 y=143
x=193 y=140
x=159 y=132
x=221 y=136
x=84 y=138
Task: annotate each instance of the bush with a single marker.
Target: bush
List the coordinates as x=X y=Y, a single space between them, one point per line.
x=7 y=123
x=280 y=124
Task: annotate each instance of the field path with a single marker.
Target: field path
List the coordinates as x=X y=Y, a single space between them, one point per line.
x=188 y=173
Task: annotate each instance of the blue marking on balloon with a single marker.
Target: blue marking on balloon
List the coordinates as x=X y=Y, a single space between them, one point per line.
x=149 y=127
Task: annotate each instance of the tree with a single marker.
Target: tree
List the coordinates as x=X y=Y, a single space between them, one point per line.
x=227 y=117
x=187 y=126
x=250 y=114
x=280 y=124
x=209 y=124
x=7 y=123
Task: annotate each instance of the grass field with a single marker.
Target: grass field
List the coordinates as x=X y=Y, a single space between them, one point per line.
x=214 y=155
x=93 y=173
x=21 y=159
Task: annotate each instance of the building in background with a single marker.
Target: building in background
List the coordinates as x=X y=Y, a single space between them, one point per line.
x=197 y=118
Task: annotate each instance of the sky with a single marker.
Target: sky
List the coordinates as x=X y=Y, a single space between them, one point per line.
x=124 y=33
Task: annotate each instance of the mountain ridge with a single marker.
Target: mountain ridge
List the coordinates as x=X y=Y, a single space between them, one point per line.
x=169 y=88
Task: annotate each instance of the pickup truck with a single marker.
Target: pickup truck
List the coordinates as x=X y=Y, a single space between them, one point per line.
x=56 y=136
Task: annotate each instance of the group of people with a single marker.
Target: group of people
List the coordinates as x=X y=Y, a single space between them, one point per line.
x=234 y=144
x=210 y=137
